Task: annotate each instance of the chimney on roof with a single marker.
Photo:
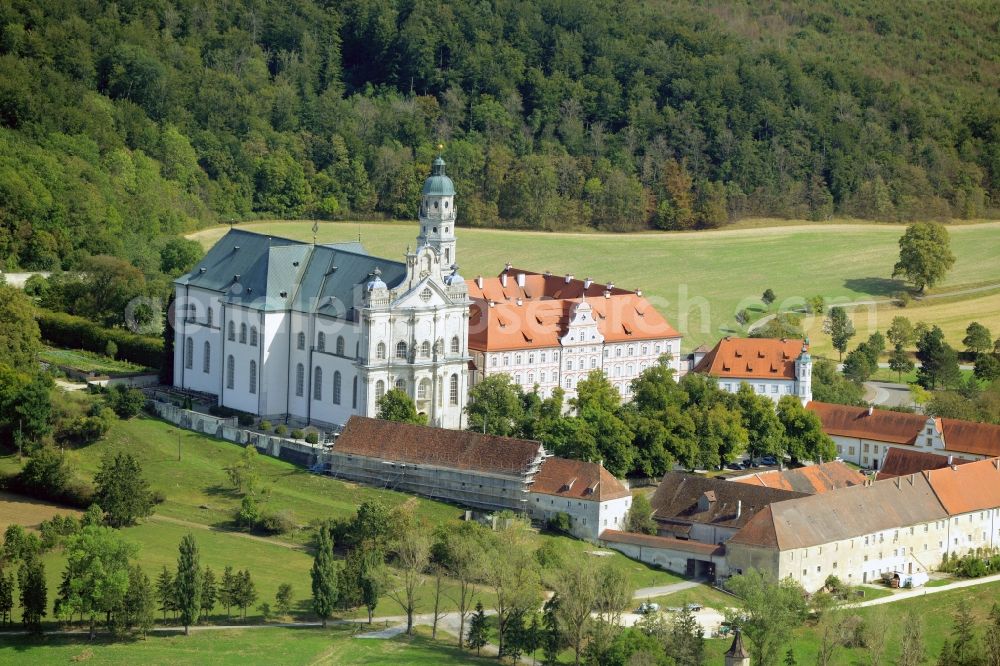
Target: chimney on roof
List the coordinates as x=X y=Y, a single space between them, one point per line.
x=507 y=267
x=548 y=273
x=503 y=279
x=519 y=302
x=587 y=282
x=871 y=410
x=607 y=293
x=520 y=280
x=479 y=281
x=611 y=285
x=638 y=292
x=950 y=459
x=569 y=278
x=492 y=303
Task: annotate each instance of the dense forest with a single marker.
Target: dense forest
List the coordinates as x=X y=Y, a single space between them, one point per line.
x=122 y=124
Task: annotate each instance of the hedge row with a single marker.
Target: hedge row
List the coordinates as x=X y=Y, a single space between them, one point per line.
x=64 y=330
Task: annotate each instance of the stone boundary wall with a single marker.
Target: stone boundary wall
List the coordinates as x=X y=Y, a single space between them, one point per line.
x=290 y=450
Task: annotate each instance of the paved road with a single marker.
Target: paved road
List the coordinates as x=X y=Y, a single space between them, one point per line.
x=923 y=591
x=889 y=394
x=661 y=590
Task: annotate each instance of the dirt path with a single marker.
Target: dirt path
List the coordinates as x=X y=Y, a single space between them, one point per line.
x=923 y=591
x=243 y=535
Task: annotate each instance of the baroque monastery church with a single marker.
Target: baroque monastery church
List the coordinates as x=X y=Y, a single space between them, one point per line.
x=316 y=333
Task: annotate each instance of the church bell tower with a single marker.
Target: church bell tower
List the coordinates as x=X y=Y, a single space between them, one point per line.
x=437 y=216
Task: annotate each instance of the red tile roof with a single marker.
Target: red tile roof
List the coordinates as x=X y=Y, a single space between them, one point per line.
x=650 y=541
x=424 y=445
x=578 y=480
x=880 y=425
x=813 y=479
x=900 y=462
x=981 y=439
x=751 y=358
x=536 y=315
x=965 y=488
x=967 y=437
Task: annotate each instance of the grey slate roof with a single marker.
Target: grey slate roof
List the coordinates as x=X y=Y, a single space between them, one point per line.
x=843 y=514
x=279 y=273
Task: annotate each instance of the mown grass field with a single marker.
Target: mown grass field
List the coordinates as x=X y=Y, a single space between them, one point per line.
x=200 y=500
x=699 y=280
x=271 y=645
x=27 y=511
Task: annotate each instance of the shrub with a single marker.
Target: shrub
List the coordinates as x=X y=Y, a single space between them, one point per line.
x=111 y=349
x=245 y=420
x=125 y=401
x=64 y=330
x=282 y=522
x=312 y=437
x=559 y=523
x=281 y=430
x=297 y=434
x=159 y=497
x=903 y=299
x=265 y=426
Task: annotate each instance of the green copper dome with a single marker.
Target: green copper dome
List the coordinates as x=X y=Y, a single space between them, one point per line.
x=438 y=184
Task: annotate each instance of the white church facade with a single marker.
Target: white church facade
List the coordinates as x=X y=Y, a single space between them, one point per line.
x=309 y=333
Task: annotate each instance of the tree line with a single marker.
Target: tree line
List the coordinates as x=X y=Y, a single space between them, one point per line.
x=691 y=422
x=123 y=125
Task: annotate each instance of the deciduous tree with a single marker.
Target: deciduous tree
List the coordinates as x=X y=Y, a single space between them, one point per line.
x=397 y=406
x=839 y=327
x=924 y=254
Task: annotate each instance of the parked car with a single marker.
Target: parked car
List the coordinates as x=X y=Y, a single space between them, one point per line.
x=734 y=466
x=647 y=607
x=769 y=460
x=693 y=606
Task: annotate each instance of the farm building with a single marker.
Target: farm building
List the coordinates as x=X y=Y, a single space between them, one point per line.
x=811 y=479
x=590 y=495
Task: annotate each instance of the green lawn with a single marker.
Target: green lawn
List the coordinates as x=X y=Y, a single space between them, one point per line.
x=86 y=361
x=200 y=500
x=936 y=610
x=699 y=280
x=705 y=595
x=272 y=645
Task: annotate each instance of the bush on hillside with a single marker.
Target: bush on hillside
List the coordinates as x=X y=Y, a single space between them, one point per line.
x=312 y=437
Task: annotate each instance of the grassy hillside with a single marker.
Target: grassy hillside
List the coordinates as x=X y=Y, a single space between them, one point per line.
x=700 y=280
x=200 y=500
x=935 y=610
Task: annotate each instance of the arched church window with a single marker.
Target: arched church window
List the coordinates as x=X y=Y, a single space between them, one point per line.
x=380 y=350
x=253 y=376
x=336 y=387
x=321 y=341
x=318 y=383
x=189 y=353
x=379 y=389
x=401 y=385
x=425 y=349
x=456 y=345
x=230 y=372
x=300 y=379
x=453 y=389
x=206 y=361
x=232 y=332
x=243 y=334
x=253 y=336
x=400 y=349
x=340 y=345
x=208 y=316
x=301 y=343
x=423 y=389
